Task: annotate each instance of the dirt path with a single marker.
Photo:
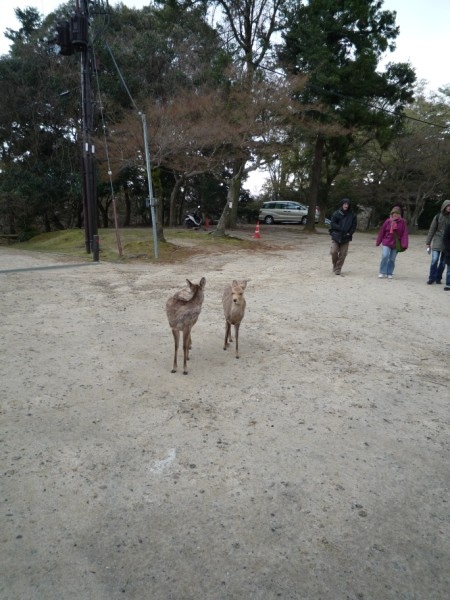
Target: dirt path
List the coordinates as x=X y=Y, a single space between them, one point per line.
x=314 y=467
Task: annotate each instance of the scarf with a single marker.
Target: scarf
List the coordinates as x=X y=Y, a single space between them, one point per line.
x=394 y=220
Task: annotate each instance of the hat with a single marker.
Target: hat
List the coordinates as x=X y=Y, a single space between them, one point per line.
x=396 y=209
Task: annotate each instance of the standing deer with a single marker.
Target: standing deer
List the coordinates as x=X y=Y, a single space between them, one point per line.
x=234 y=308
x=182 y=311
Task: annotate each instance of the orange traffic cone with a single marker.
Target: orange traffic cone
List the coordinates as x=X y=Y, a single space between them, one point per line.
x=256 y=235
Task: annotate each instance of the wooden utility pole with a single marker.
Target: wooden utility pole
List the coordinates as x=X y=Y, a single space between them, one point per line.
x=73 y=36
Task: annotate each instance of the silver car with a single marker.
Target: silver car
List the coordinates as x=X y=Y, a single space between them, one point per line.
x=280 y=211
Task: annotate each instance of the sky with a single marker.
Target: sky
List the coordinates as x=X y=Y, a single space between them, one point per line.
x=424 y=39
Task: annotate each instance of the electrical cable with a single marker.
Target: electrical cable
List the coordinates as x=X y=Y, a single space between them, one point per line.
x=113 y=196
x=367 y=105
x=121 y=78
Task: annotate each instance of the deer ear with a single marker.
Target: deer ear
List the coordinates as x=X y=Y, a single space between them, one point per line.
x=244 y=284
x=234 y=283
x=202 y=282
x=189 y=283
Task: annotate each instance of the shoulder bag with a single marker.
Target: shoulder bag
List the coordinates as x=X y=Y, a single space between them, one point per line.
x=398 y=244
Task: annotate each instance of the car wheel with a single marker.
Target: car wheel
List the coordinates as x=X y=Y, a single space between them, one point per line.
x=303 y=221
x=269 y=220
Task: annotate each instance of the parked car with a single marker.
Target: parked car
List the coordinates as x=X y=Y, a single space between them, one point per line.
x=279 y=211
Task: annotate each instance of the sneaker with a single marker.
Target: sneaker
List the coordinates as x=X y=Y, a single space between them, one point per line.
x=430 y=282
x=336 y=272
x=439 y=282
x=447 y=288
x=389 y=276
x=381 y=276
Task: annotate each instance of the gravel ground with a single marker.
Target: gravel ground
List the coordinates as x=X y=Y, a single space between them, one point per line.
x=314 y=467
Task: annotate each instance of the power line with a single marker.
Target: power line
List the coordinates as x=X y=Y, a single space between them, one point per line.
x=367 y=104
x=386 y=110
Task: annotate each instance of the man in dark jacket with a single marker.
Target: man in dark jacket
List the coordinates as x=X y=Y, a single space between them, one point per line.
x=342 y=228
x=446 y=251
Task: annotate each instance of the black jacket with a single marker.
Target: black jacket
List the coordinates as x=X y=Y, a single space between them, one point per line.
x=343 y=225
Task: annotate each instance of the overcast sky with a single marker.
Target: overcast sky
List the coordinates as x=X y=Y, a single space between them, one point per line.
x=424 y=38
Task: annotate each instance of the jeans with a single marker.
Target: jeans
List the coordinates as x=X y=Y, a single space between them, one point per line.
x=388 y=256
x=437 y=266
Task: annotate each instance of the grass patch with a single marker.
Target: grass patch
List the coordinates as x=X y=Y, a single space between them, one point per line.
x=137 y=244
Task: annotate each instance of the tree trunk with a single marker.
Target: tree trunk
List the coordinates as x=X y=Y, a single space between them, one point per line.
x=173 y=200
x=419 y=205
x=220 y=227
x=315 y=182
x=127 y=219
x=232 y=199
x=104 y=213
x=159 y=220
x=56 y=222
x=235 y=187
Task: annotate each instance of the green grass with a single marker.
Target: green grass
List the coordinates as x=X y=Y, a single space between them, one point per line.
x=137 y=244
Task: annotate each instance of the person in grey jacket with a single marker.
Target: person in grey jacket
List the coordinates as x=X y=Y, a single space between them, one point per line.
x=342 y=228
x=434 y=243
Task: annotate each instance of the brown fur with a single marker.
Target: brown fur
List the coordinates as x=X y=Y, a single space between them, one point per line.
x=182 y=311
x=234 y=308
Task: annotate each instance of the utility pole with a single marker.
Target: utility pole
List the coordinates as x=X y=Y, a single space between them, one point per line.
x=73 y=36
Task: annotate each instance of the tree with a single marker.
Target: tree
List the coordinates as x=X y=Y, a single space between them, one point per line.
x=415 y=169
x=38 y=153
x=30 y=21
x=171 y=60
x=338 y=45
x=247 y=28
x=163 y=53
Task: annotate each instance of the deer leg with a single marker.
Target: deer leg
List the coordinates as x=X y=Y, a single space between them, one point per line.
x=186 y=341
x=230 y=339
x=236 y=335
x=227 y=334
x=176 y=339
x=189 y=346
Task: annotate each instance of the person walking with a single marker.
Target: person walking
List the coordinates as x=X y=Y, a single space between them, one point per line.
x=434 y=243
x=394 y=229
x=446 y=252
x=342 y=228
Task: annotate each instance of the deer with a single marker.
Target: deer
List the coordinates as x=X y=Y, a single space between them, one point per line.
x=182 y=311
x=234 y=308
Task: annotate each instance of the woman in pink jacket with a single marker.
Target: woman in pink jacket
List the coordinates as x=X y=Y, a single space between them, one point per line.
x=393 y=229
